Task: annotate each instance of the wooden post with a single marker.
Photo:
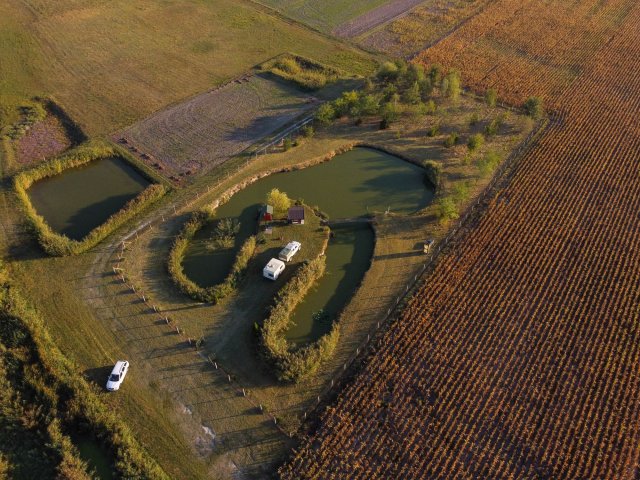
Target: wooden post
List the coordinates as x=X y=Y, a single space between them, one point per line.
x=244 y=393
x=229 y=378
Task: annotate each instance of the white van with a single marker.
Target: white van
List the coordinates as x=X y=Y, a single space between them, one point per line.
x=273 y=269
x=117 y=375
x=287 y=253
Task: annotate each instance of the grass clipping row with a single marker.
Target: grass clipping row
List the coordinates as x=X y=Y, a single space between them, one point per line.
x=295 y=365
x=56 y=244
x=216 y=293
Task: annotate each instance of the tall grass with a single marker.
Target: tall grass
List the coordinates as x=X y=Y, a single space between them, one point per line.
x=56 y=244
x=305 y=73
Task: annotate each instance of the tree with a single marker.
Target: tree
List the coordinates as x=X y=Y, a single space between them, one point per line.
x=435 y=74
x=412 y=94
x=279 y=201
x=426 y=89
x=388 y=72
x=347 y=104
x=534 y=107
x=326 y=114
x=368 y=105
x=451 y=85
x=447 y=209
x=491 y=97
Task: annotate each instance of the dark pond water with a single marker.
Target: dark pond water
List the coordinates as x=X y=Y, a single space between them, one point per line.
x=78 y=200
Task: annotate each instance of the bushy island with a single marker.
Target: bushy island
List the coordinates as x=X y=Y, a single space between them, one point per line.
x=44 y=403
x=57 y=244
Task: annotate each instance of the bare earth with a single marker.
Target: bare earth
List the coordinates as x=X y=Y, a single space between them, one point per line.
x=45 y=139
x=206 y=130
x=375 y=18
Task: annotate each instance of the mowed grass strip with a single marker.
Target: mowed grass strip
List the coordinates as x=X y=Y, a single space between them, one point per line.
x=113 y=63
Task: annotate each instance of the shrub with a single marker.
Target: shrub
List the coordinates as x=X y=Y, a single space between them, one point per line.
x=307 y=74
x=491 y=97
x=433 y=171
x=287 y=144
x=388 y=72
x=489 y=163
x=447 y=209
x=326 y=114
x=60 y=245
x=308 y=131
x=293 y=365
x=451 y=140
x=475 y=141
x=433 y=130
x=474 y=119
x=492 y=128
x=534 y=107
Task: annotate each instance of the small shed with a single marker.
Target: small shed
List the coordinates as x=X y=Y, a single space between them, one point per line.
x=267 y=213
x=273 y=269
x=296 y=215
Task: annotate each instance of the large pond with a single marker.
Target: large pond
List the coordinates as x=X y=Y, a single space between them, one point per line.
x=351 y=185
x=78 y=200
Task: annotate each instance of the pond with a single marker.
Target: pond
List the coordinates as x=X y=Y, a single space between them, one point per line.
x=351 y=185
x=348 y=258
x=95 y=456
x=78 y=200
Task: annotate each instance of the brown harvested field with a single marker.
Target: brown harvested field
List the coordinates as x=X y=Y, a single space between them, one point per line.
x=522 y=49
x=422 y=26
x=375 y=18
x=520 y=355
x=45 y=139
x=204 y=131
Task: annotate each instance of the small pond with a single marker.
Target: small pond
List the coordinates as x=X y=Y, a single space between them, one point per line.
x=95 y=455
x=351 y=185
x=80 y=199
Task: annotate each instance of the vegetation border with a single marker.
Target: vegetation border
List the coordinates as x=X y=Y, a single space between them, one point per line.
x=56 y=244
x=70 y=394
x=216 y=293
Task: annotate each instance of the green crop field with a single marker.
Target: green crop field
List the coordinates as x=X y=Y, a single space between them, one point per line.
x=113 y=63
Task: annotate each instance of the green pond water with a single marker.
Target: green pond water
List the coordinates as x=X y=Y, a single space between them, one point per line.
x=351 y=185
x=78 y=200
x=97 y=458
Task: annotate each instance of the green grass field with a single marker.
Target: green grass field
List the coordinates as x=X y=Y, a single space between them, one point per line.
x=324 y=15
x=113 y=63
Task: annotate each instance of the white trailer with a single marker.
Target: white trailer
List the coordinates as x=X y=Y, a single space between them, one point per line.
x=287 y=253
x=273 y=269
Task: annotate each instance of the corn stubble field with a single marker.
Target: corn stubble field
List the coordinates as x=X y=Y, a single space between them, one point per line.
x=519 y=357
